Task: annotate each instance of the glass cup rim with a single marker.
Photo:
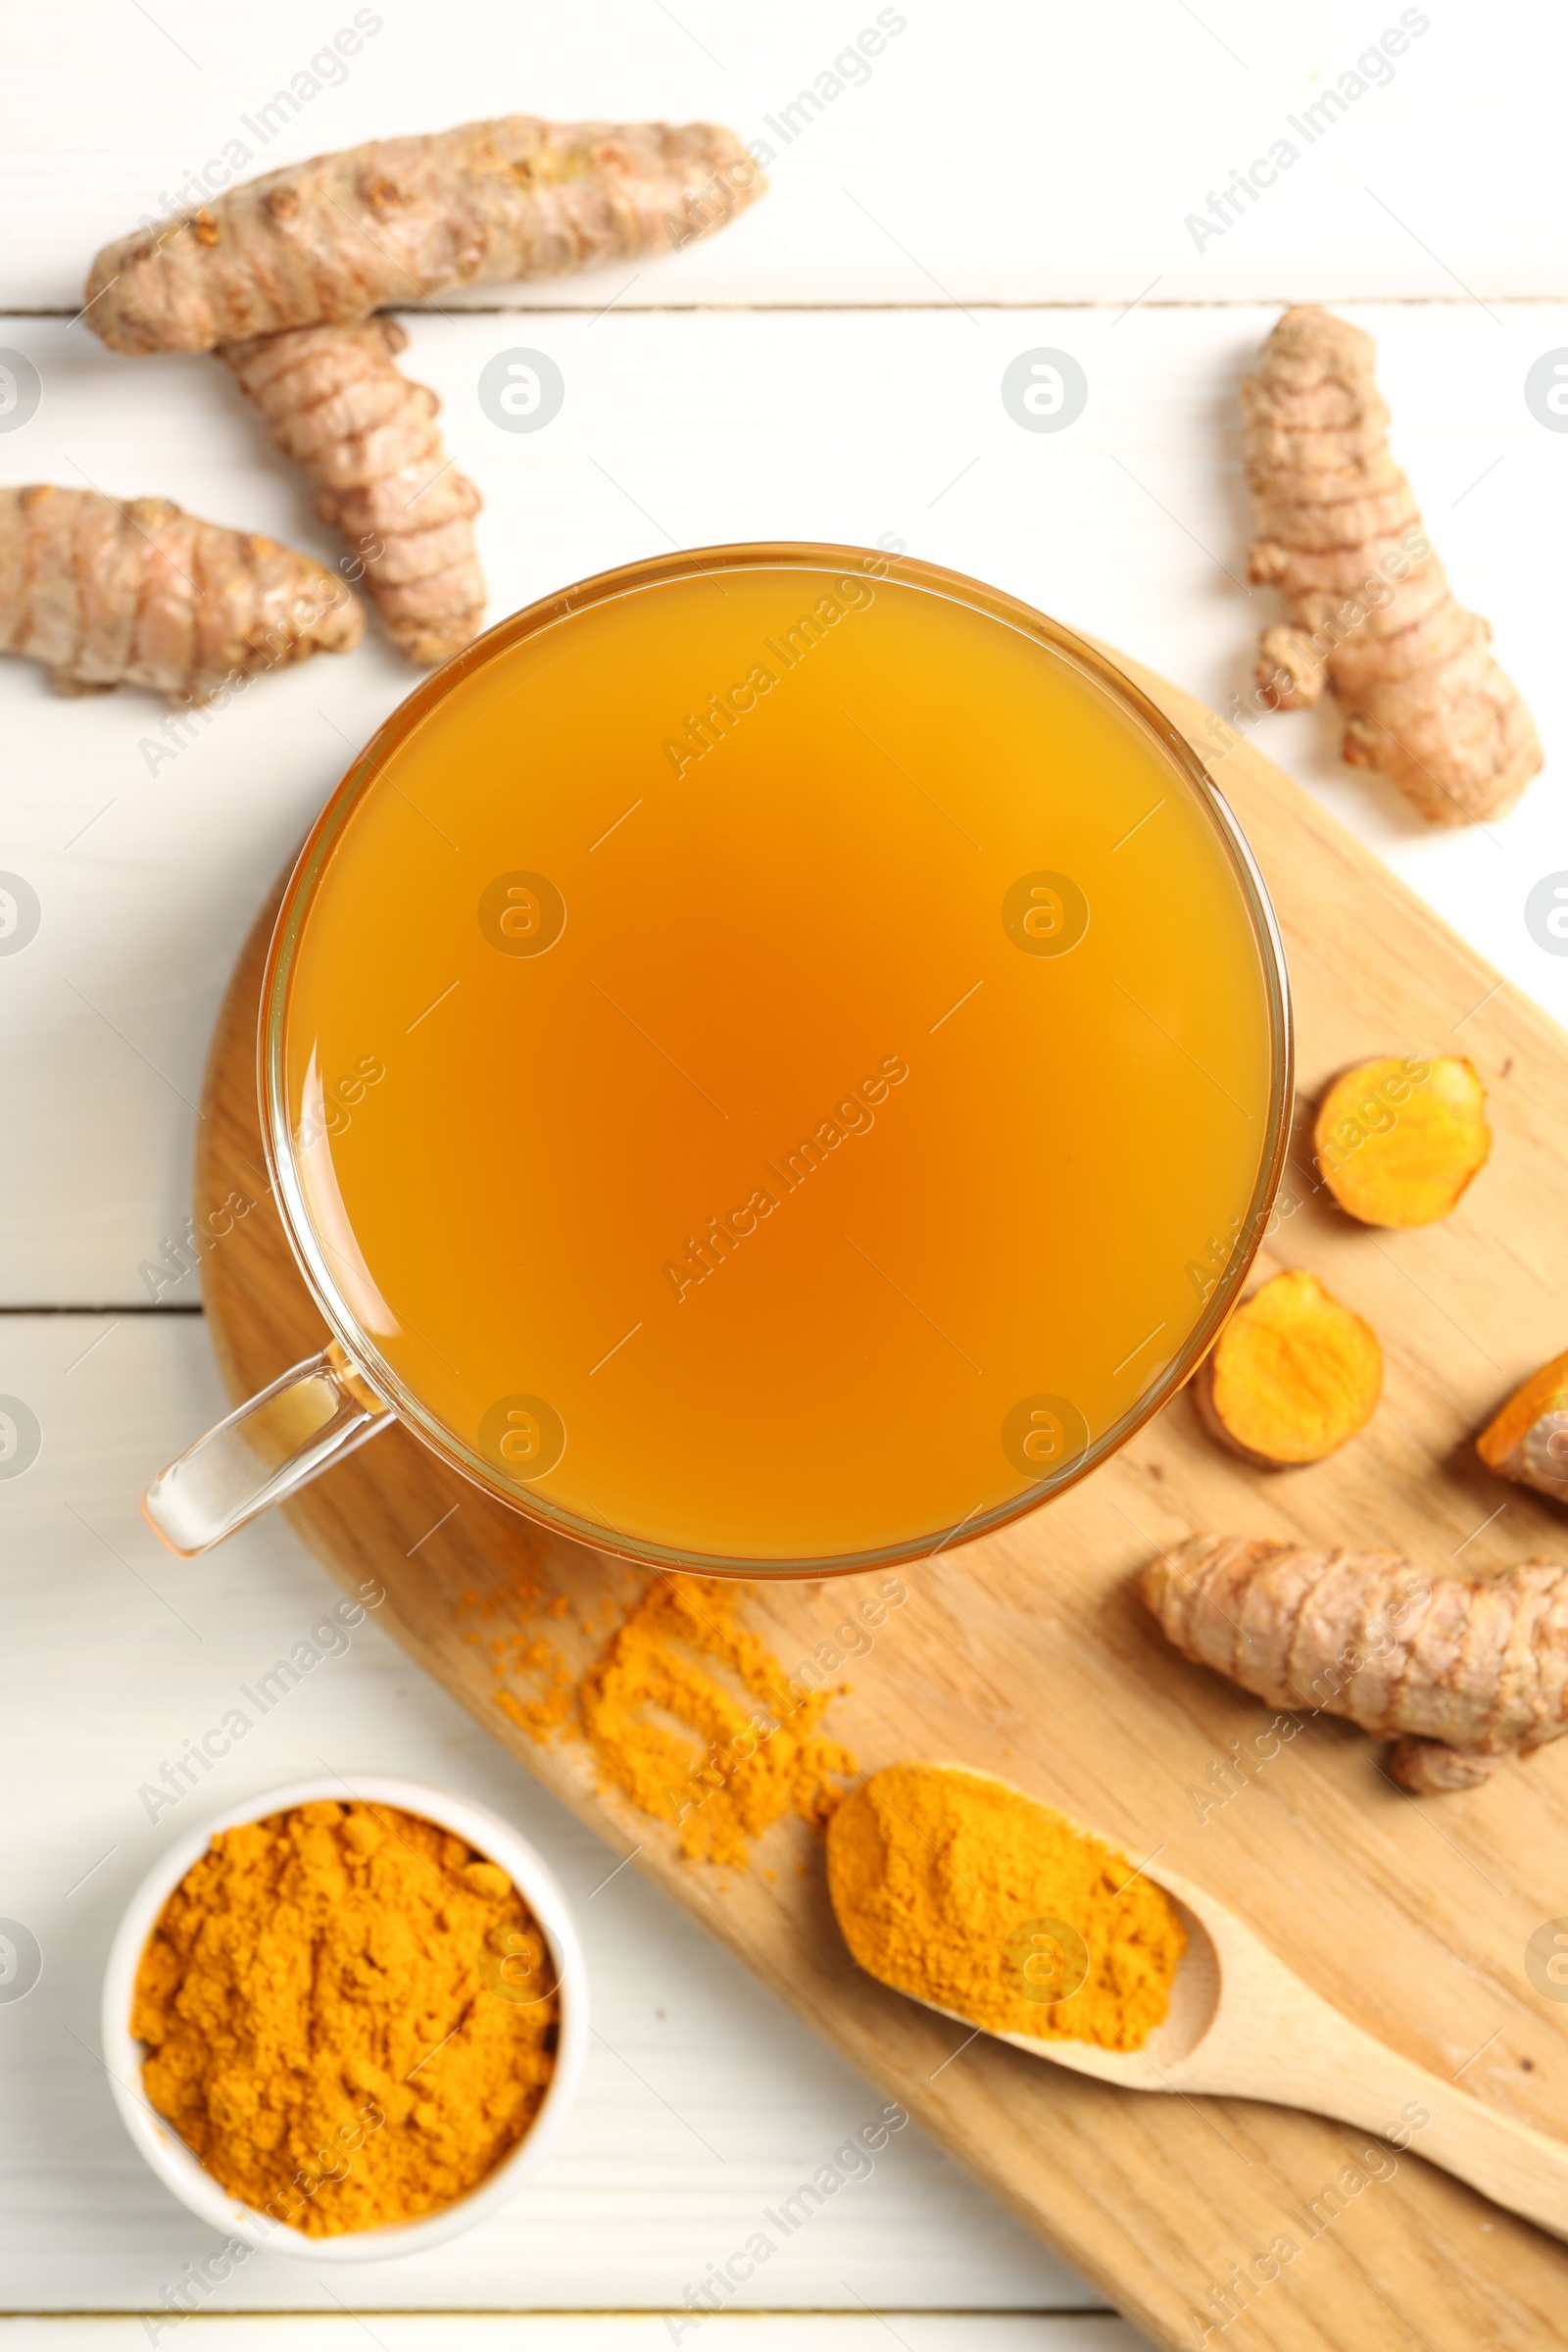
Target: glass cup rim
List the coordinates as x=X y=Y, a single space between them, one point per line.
x=562 y=605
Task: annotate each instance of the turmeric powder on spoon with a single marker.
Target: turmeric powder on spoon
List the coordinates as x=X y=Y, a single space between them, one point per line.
x=969 y=1895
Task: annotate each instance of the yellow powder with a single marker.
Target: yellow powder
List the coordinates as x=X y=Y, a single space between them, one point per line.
x=349 y=2016
x=688 y=1713
x=749 y=1765
x=968 y=1894
x=547 y=1713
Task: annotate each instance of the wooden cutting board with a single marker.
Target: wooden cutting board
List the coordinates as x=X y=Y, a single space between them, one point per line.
x=1029 y=1655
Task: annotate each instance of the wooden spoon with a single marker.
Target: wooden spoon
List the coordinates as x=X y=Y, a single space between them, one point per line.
x=1242 y=2025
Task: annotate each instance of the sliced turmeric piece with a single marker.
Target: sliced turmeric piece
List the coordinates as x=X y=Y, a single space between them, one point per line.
x=1293 y=1376
x=1528 y=1439
x=1398 y=1140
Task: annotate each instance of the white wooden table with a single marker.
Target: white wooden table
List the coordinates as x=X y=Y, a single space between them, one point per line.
x=1010 y=176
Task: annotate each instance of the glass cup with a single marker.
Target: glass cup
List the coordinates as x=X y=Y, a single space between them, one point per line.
x=337 y=1401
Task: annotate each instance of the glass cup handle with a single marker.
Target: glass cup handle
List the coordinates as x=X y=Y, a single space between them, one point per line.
x=268 y=1448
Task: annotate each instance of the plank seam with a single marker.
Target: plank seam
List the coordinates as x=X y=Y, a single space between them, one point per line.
x=1038 y=302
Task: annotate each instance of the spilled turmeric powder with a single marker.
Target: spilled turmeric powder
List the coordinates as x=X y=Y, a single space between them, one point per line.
x=349 y=2016
x=968 y=1894
x=545 y=1713
x=749 y=1765
x=686 y=1710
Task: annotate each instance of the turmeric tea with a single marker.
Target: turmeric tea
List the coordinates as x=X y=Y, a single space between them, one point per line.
x=349 y=2015
x=968 y=1894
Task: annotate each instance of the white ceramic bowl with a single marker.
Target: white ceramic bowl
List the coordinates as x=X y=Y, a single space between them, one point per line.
x=179 y=2169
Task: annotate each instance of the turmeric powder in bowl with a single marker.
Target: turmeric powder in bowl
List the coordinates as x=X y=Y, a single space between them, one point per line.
x=349 y=2014
x=966 y=1892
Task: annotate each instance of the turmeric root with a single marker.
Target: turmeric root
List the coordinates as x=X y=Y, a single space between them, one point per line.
x=1293 y=1376
x=1457 y=1670
x=328 y=241
x=1399 y=1141
x=1370 y=613
x=368 y=439
x=142 y=595
x=1528 y=1439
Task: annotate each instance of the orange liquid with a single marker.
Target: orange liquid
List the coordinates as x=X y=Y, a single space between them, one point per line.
x=789 y=1125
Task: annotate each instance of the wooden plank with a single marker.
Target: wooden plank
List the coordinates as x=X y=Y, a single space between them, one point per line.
x=595 y=2332
x=1000 y=153
x=1028 y=1655
x=695 y=429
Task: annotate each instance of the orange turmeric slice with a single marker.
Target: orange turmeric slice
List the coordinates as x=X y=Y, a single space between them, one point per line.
x=1293 y=1376
x=1398 y=1140
x=1528 y=1439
